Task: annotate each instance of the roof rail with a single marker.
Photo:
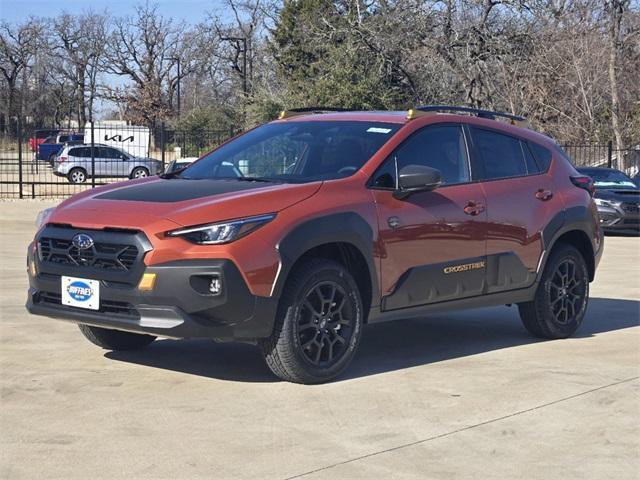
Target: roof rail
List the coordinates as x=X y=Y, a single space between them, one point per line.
x=294 y=112
x=490 y=114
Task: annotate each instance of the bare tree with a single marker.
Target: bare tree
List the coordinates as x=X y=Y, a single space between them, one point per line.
x=18 y=44
x=615 y=10
x=80 y=42
x=145 y=49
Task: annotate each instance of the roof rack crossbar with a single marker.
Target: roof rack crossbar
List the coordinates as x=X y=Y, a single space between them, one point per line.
x=490 y=114
x=292 y=112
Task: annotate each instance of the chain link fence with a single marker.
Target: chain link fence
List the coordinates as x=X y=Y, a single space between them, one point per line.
x=59 y=162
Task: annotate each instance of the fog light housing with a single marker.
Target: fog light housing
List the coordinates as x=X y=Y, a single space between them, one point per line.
x=215 y=285
x=147 y=282
x=32 y=269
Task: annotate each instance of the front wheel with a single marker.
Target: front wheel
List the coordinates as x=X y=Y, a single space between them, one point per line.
x=139 y=172
x=318 y=326
x=115 y=339
x=561 y=300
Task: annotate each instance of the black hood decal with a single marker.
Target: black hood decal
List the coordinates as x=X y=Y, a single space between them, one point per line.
x=178 y=190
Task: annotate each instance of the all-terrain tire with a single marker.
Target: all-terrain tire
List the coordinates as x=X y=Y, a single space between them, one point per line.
x=115 y=339
x=303 y=347
x=561 y=299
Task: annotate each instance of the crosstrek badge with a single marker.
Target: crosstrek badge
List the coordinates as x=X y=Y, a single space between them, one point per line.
x=80 y=292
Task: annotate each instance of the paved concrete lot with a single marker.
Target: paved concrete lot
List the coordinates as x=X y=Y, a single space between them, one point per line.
x=462 y=395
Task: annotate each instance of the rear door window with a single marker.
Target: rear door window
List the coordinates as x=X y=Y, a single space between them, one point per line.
x=501 y=155
x=542 y=156
x=111 y=153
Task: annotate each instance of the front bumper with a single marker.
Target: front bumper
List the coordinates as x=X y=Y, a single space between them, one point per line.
x=617 y=219
x=178 y=306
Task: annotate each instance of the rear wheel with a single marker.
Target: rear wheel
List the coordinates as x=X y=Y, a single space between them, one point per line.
x=115 y=339
x=77 y=175
x=139 y=172
x=318 y=326
x=561 y=300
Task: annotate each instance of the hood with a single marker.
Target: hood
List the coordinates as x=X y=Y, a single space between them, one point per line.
x=144 y=203
x=619 y=195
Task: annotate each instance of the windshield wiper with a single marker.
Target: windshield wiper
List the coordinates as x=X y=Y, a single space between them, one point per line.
x=173 y=174
x=251 y=179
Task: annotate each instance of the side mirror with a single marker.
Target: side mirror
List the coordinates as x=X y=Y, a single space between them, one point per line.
x=416 y=178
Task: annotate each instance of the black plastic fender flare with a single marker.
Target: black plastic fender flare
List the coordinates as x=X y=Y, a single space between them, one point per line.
x=571 y=219
x=345 y=227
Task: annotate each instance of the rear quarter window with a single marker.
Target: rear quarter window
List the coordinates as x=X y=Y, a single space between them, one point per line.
x=79 y=152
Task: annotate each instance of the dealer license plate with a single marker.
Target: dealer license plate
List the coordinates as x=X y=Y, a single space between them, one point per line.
x=81 y=293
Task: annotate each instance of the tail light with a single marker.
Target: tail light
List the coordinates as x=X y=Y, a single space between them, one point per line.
x=61 y=159
x=584 y=182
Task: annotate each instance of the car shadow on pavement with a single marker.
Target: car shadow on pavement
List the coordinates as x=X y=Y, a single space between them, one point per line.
x=385 y=347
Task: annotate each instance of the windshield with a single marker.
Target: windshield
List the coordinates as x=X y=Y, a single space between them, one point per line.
x=295 y=152
x=612 y=179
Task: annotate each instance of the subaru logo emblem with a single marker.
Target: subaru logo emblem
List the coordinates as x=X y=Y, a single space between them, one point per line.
x=82 y=241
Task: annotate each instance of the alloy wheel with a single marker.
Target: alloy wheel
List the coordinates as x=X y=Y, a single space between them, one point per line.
x=78 y=176
x=325 y=324
x=567 y=291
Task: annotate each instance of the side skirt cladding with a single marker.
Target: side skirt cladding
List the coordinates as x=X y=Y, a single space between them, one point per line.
x=455 y=280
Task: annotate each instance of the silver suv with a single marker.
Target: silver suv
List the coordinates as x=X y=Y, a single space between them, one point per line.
x=74 y=162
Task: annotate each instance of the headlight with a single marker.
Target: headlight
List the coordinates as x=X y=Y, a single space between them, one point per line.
x=606 y=203
x=222 y=232
x=43 y=216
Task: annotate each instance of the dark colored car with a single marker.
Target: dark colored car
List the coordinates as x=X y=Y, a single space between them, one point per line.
x=617 y=198
x=326 y=221
x=50 y=148
x=39 y=136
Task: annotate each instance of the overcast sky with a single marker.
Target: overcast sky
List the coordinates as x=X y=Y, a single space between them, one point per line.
x=192 y=11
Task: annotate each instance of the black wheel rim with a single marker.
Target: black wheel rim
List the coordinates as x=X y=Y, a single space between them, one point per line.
x=325 y=324
x=567 y=291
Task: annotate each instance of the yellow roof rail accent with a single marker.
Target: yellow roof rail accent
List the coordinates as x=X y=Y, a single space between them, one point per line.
x=413 y=113
x=294 y=112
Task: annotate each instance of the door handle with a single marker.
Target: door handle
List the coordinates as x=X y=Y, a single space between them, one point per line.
x=473 y=208
x=544 y=195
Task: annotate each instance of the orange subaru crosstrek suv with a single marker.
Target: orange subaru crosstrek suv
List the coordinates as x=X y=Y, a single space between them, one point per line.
x=294 y=235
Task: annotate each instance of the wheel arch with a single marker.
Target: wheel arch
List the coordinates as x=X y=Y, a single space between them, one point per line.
x=579 y=240
x=346 y=238
x=576 y=227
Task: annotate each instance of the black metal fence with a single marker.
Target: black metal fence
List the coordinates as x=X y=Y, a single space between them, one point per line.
x=604 y=155
x=57 y=163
